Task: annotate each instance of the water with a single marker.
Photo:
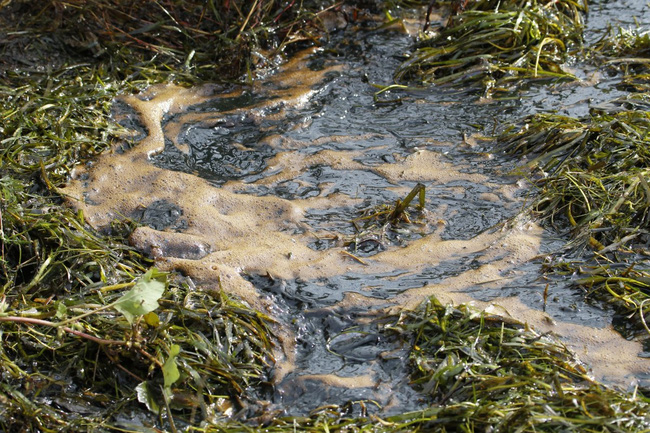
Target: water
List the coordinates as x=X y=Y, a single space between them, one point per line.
x=256 y=189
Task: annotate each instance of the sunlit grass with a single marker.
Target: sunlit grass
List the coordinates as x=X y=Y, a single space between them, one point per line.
x=64 y=62
x=494 y=47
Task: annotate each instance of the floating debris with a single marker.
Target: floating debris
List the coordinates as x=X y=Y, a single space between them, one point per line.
x=381 y=224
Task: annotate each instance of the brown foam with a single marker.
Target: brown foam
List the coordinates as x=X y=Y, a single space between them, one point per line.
x=230 y=234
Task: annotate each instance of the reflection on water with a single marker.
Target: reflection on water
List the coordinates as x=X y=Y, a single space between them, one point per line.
x=254 y=190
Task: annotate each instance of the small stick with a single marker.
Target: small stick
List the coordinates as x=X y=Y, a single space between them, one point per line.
x=345 y=253
x=545 y=297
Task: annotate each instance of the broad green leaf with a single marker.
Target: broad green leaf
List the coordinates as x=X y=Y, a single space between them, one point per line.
x=170 y=369
x=143 y=297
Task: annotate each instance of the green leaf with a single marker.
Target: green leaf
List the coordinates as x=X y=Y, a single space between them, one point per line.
x=143 y=297
x=61 y=311
x=148 y=398
x=170 y=369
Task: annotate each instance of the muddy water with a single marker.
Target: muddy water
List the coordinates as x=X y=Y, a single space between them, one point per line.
x=254 y=190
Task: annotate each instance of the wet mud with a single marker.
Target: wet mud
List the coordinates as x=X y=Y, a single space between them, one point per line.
x=253 y=191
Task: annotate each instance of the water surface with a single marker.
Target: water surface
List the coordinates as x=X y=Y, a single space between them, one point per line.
x=254 y=190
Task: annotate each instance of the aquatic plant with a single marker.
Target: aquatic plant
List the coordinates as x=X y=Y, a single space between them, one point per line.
x=592 y=170
x=187 y=40
x=495 y=46
x=379 y=224
x=484 y=373
x=57 y=91
x=71 y=359
x=48 y=251
x=62 y=63
x=592 y=174
x=626 y=286
x=106 y=348
x=627 y=52
x=625 y=47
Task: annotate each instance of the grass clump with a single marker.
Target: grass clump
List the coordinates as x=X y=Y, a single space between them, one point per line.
x=492 y=46
x=484 y=374
x=71 y=360
x=384 y=224
x=53 y=120
x=61 y=65
x=191 y=40
x=192 y=357
x=593 y=171
x=47 y=251
x=592 y=174
x=627 y=52
x=627 y=288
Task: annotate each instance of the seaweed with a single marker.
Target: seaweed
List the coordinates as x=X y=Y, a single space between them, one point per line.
x=493 y=47
x=627 y=52
x=488 y=374
x=193 y=352
x=627 y=288
x=188 y=41
x=592 y=170
x=71 y=359
x=592 y=179
x=481 y=373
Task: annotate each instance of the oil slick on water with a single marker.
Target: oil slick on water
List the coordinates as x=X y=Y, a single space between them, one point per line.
x=253 y=191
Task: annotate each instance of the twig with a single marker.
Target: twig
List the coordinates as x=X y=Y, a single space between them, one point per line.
x=345 y=253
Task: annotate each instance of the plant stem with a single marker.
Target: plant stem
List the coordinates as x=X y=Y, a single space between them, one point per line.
x=34 y=321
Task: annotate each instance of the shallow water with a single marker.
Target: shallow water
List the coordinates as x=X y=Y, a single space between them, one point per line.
x=255 y=189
